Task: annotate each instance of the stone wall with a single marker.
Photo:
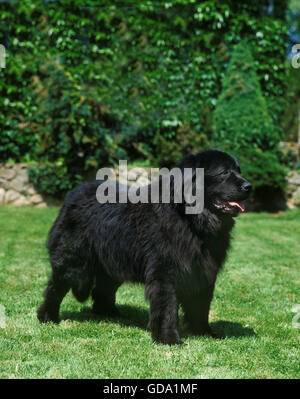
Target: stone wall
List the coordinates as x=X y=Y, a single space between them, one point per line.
x=15 y=188
x=293 y=190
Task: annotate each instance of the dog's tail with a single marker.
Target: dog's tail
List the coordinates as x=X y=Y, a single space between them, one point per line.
x=82 y=285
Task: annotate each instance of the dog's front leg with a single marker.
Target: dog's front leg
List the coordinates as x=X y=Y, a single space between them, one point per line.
x=196 y=310
x=163 y=321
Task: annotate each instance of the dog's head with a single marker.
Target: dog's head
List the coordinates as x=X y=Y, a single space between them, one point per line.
x=224 y=187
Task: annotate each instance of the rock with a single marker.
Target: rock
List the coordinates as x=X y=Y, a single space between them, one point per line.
x=15 y=187
x=41 y=205
x=30 y=190
x=17 y=184
x=296 y=197
x=293 y=190
x=22 y=201
x=2 y=196
x=294 y=178
x=6 y=185
x=24 y=165
x=11 y=196
x=23 y=174
x=36 y=199
x=7 y=174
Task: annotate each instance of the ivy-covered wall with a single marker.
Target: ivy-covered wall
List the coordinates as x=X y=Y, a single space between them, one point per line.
x=155 y=64
x=88 y=82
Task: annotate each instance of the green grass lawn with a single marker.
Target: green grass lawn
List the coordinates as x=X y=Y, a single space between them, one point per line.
x=254 y=296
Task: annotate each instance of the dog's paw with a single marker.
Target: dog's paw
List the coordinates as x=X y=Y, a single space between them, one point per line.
x=45 y=316
x=167 y=337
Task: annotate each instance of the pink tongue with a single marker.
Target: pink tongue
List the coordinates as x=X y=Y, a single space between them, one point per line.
x=237 y=204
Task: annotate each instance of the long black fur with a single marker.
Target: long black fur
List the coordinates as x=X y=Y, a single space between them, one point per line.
x=95 y=247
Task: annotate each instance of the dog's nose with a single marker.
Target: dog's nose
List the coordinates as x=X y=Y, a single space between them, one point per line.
x=247 y=187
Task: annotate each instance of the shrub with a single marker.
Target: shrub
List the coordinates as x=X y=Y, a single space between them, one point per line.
x=243 y=126
x=290 y=120
x=130 y=77
x=53 y=179
x=262 y=168
x=153 y=62
x=166 y=150
x=75 y=131
x=241 y=116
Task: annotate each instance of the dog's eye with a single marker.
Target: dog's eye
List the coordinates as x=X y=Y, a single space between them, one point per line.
x=223 y=173
x=226 y=173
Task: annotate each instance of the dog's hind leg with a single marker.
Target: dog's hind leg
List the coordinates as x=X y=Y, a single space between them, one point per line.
x=55 y=292
x=104 y=295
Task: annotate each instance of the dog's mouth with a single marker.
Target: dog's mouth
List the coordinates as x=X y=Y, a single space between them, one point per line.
x=230 y=206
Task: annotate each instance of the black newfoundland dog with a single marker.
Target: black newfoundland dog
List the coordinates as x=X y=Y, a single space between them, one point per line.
x=95 y=247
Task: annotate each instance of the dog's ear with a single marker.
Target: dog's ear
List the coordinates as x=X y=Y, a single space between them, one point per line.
x=181 y=183
x=187 y=162
x=177 y=191
x=188 y=196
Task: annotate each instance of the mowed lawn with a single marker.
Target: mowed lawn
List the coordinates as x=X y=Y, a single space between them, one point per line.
x=254 y=295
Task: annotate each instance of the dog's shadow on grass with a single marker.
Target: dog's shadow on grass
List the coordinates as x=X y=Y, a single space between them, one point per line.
x=229 y=329
x=137 y=317
x=129 y=316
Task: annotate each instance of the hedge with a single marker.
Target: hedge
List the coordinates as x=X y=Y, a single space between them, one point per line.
x=139 y=74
